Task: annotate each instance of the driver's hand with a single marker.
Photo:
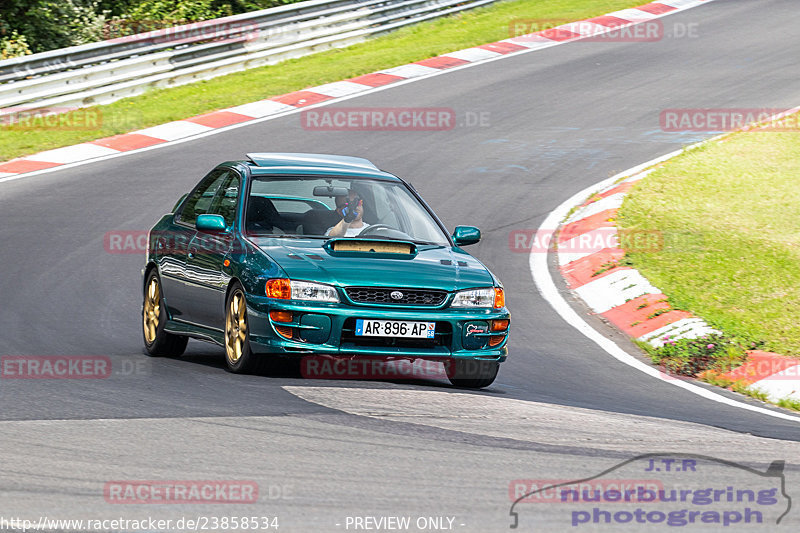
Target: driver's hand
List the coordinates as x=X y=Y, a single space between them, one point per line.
x=350 y=213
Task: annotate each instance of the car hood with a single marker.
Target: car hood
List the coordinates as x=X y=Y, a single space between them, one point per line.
x=433 y=267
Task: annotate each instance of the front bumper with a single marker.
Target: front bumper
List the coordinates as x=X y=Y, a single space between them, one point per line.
x=322 y=328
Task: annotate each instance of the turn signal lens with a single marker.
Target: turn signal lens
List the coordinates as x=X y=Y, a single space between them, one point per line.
x=279 y=288
x=285 y=331
x=494 y=340
x=281 y=316
x=500 y=325
x=499 y=298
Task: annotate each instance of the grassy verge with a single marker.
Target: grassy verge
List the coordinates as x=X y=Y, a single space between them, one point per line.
x=404 y=46
x=730 y=216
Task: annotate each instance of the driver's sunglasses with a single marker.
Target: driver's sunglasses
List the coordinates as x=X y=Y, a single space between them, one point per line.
x=354 y=201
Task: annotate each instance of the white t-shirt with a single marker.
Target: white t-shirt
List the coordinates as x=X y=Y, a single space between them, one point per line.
x=351 y=231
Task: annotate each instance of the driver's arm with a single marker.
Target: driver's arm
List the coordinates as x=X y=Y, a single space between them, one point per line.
x=339 y=229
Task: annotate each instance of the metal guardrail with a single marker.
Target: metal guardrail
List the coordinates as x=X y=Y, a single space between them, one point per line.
x=102 y=72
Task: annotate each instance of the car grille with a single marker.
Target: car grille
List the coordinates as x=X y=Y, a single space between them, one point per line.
x=442 y=337
x=383 y=296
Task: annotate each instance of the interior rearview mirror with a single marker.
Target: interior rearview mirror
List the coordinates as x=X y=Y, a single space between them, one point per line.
x=330 y=191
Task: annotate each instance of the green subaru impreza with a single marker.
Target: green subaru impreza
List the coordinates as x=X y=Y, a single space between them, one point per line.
x=324 y=256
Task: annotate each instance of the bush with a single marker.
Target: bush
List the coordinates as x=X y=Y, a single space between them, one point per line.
x=40 y=25
x=49 y=24
x=14 y=45
x=169 y=11
x=690 y=357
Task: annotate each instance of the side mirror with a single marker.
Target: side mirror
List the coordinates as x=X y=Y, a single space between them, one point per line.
x=211 y=224
x=464 y=235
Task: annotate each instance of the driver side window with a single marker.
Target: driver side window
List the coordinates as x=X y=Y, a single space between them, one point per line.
x=226 y=199
x=199 y=202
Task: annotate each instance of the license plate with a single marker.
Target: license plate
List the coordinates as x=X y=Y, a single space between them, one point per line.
x=395 y=328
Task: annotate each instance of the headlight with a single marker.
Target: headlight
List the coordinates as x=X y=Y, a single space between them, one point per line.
x=488 y=298
x=301 y=290
x=305 y=290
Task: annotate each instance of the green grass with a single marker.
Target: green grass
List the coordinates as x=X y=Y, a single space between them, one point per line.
x=789 y=403
x=730 y=213
x=403 y=46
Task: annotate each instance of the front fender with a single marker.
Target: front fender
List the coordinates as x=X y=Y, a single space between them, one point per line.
x=252 y=267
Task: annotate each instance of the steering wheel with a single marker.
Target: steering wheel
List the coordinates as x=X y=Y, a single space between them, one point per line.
x=374 y=227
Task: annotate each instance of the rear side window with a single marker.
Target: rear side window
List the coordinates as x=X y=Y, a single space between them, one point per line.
x=199 y=202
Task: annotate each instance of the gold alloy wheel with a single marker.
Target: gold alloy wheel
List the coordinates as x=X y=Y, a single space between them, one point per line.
x=152 y=310
x=235 y=327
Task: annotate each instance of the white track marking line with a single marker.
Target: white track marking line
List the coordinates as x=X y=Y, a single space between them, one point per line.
x=681 y=4
x=473 y=54
x=613 y=201
x=73 y=153
x=339 y=88
x=172 y=131
x=261 y=108
x=534 y=42
x=686 y=328
x=585 y=28
x=783 y=384
x=615 y=289
x=635 y=15
x=412 y=70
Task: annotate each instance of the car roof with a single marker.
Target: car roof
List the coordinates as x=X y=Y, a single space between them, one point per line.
x=314 y=164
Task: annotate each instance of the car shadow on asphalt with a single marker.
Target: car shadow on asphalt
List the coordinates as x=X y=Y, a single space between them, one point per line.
x=288 y=368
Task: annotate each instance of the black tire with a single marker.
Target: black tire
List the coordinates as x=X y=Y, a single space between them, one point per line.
x=239 y=358
x=473 y=374
x=158 y=342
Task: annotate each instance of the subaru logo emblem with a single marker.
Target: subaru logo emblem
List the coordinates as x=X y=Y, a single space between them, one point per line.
x=396 y=295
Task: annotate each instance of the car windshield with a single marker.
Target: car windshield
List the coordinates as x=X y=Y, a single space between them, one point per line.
x=338 y=207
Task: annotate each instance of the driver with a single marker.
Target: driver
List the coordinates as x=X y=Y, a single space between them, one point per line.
x=351 y=209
